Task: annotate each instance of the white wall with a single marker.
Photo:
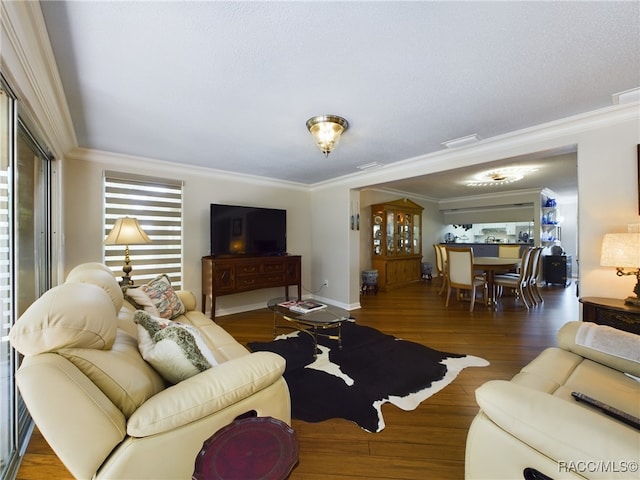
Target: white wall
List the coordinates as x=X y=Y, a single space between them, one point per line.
x=83 y=230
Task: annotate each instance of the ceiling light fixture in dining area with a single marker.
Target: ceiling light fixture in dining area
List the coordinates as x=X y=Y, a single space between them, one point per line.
x=500 y=176
x=326 y=130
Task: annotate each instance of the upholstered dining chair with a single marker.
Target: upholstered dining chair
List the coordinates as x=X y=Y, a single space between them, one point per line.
x=441 y=268
x=461 y=276
x=533 y=286
x=520 y=282
x=509 y=251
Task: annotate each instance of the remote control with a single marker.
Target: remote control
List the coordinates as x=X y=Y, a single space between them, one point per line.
x=608 y=409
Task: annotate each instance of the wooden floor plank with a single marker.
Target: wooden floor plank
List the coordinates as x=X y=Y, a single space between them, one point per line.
x=428 y=442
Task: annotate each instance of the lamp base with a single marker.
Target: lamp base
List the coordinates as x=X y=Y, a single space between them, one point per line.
x=635 y=301
x=126 y=280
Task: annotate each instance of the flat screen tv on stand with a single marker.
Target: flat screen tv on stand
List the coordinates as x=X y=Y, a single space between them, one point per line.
x=247 y=231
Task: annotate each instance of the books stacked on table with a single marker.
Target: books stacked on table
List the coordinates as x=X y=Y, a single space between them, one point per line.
x=304 y=306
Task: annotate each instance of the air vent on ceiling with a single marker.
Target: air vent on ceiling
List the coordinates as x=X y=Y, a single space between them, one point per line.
x=462 y=141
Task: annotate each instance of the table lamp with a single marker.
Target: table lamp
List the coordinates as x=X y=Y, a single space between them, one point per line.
x=127 y=231
x=622 y=250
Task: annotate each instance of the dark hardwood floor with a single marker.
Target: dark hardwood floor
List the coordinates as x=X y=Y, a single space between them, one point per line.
x=428 y=442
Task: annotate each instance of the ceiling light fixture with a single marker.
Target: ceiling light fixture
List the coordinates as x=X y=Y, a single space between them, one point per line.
x=326 y=130
x=500 y=176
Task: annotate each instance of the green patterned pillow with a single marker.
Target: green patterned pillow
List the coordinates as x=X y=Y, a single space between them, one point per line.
x=157 y=298
x=175 y=350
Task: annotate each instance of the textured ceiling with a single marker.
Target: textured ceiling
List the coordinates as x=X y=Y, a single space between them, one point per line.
x=229 y=85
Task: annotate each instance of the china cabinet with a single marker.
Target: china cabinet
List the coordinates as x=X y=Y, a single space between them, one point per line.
x=396 y=238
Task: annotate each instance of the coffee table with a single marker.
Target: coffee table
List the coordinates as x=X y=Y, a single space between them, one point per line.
x=312 y=323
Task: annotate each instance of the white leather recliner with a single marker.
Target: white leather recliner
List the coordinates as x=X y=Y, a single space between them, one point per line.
x=105 y=411
x=532 y=425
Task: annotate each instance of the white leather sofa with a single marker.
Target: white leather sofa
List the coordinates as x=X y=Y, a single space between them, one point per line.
x=104 y=410
x=533 y=423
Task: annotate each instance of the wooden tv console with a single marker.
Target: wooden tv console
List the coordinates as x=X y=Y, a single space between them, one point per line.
x=227 y=275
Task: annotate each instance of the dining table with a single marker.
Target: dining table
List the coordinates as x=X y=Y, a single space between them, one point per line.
x=491 y=265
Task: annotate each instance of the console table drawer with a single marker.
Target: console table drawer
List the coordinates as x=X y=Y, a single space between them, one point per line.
x=260 y=268
x=260 y=281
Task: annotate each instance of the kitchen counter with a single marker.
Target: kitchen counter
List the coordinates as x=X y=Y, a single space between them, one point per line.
x=487 y=249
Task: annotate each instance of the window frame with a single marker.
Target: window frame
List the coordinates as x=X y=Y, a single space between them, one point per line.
x=157 y=203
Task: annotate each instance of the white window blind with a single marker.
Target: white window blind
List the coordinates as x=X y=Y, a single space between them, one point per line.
x=157 y=204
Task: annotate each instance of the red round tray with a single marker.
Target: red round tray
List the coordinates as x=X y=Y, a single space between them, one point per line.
x=248 y=449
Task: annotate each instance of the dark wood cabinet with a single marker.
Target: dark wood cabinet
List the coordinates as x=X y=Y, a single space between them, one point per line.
x=557 y=269
x=227 y=275
x=612 y=312
x=396 y=243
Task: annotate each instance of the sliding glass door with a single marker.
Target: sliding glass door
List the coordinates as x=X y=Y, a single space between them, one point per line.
x=25 y=260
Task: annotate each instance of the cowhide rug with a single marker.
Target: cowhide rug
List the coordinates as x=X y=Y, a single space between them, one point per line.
x=371 y=369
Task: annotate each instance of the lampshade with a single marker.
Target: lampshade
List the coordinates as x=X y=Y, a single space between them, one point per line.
x=326 y=130
x=620 y=250
x=127 y=231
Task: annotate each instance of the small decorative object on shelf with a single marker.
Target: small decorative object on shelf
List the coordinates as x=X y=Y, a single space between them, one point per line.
x=549 y=219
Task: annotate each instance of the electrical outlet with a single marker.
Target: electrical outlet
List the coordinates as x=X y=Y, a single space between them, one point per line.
x=325 y=283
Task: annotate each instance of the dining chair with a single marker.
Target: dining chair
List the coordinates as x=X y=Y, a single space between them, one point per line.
x=440 y=267
x=461 y=276
x=509 y=251
x=520 y=282
x=536 y=276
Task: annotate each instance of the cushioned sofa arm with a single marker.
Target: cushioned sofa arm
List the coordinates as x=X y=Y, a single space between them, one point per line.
x=567 y=341
x=206 y=393
x=560 y=429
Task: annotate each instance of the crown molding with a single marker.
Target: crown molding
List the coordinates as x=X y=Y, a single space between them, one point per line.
x=29 y=66
x=124 y=163
x=557 y=135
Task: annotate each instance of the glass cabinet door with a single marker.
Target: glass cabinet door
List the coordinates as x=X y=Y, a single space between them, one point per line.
x=391 y=233
x=416 y=234
x=377 y=239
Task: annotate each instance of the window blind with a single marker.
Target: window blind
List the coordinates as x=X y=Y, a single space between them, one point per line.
x=157 y=205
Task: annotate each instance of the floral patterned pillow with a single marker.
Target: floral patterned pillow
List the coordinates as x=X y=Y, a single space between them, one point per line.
x=175 y=350
x=157 y=298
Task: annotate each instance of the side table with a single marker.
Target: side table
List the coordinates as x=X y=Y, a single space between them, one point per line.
x=557 y=269
x=611 y=311
x=250 y=448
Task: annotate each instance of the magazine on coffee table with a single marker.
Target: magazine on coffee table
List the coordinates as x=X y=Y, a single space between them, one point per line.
x=304 y=306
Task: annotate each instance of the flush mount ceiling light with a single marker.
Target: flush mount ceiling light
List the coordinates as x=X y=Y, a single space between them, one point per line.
x=500 y=176
x=326 y=130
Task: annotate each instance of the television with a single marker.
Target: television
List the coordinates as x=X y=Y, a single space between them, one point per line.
x=250 y=231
